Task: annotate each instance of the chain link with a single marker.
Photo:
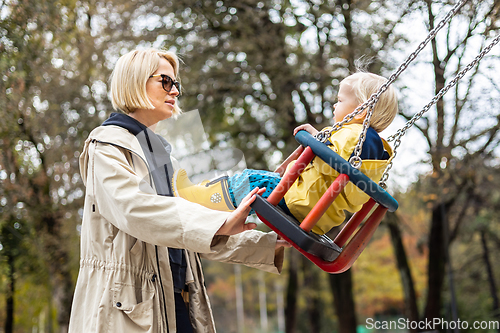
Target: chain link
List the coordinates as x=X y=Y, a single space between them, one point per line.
x=356 y=160
x=370 y=103
x=402 y=131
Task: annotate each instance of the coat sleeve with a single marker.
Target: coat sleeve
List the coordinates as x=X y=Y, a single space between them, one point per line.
x=252 y=248
x=131 y=205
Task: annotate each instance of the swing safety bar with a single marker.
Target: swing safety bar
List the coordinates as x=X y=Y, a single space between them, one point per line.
x=358 y=178
x=326 y=199
x=324 y=202
x=291 y=176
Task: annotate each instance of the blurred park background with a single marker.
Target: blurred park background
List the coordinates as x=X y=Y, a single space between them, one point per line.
x=254 y=70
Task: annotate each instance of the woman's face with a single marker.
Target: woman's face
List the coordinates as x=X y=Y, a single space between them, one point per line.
x=162 y=100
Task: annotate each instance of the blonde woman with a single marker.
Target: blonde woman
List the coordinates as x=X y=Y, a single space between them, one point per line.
x=140 y=268
x=318 y=176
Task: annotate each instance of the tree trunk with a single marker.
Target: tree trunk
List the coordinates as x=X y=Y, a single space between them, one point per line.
x=262 y=303
x=313 y=299
x=438 y=247
x=436 y=265
x=280 y=305
x=63 y=297
x=341 y=285
x=291 y=294
x=240 y=313
x=346 y=8
x=411 y=309
x=9 y=320
x=491 y=277
x=57 y=258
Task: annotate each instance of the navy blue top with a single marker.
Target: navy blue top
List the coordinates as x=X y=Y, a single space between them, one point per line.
x=373 y=147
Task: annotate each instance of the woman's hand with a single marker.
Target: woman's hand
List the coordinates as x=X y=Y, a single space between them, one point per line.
x=235 y=223
x=280 y=242
x=306 y=127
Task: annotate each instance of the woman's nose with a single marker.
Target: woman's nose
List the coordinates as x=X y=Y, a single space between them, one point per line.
x=174 y=91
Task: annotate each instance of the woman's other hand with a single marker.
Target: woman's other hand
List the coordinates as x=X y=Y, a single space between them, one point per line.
x=306 y=127
x=280 y=242
x=235 y=223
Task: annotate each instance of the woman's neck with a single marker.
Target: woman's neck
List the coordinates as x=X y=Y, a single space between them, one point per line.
x=143 y=118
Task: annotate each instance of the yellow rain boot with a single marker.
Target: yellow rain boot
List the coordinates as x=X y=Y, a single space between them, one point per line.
x=211 y=194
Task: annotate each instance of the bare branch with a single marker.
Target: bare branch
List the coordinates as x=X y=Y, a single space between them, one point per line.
x=307 y=107
x=452 y=51
x=459 y=103
x=423 y=129
x=388 y=33
x=461 y=215
x=492 y=131
x=493 y=134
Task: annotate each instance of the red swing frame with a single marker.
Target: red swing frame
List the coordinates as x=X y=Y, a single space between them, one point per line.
x=351 y=241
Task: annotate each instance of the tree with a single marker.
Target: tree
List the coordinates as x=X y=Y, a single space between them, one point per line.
x=10 y=240
x=411 y=309
x=454 y=145
x=52 y=94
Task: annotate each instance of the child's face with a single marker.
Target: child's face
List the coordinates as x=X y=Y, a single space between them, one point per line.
x=346 y=102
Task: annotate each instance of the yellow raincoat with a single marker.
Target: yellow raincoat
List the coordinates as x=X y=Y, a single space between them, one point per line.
x=318 y=176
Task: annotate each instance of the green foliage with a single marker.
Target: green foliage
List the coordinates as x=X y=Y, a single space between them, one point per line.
x=51 y=93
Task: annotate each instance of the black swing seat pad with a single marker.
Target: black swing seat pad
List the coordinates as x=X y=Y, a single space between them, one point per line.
x=317 y=245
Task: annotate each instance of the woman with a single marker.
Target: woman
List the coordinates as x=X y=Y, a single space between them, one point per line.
x=140 y=268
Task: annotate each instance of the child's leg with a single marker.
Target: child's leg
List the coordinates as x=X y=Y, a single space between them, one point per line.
x=241 y=184
x=212 y=194
x=225 y=193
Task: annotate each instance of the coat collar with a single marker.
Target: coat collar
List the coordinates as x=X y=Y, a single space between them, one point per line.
x=118 y=136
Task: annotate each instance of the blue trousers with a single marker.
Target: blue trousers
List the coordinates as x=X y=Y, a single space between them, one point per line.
x=241 y=184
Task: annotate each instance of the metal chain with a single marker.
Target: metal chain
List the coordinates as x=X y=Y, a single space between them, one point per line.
x=402 y=131
x=356 y=160
x=325 y=134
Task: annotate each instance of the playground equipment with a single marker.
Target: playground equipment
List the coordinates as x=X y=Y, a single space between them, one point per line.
x=338 y=255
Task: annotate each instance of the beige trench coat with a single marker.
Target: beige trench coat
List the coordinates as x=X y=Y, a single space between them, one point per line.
x=125 y=282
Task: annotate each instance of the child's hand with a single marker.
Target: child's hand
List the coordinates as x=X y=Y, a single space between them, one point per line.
x=306 y=127
x=235 y=223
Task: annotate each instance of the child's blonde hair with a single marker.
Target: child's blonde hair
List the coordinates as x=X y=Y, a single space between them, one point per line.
x=129 y=77
x=366 y=84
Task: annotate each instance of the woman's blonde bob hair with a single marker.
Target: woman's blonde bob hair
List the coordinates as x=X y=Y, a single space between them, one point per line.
x=129 y=77
x=366 y=84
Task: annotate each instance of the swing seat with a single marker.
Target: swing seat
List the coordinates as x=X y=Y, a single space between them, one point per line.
x=289 y=228
x=338 y=255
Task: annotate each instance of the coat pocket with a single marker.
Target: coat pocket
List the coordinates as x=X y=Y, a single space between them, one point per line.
x=137 y=306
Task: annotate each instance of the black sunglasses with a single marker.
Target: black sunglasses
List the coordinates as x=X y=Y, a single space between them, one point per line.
x=167 y=83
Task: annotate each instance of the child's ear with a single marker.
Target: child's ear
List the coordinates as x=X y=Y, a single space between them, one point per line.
x=362 y=115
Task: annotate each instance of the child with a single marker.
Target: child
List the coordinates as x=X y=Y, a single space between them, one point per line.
x=227 y=192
